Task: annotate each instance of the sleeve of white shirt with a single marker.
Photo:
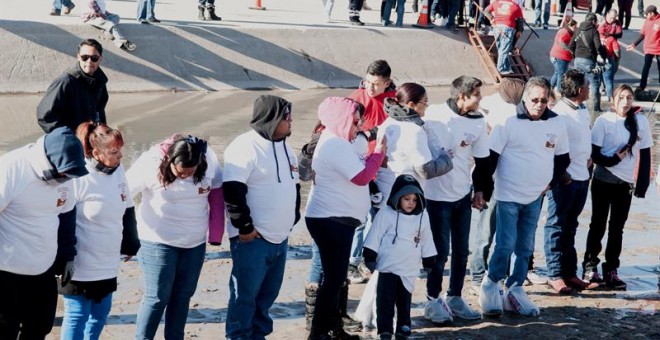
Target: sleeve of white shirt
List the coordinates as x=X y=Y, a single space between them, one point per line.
x=293 y=163
x=598 y=132
x=432 y=129
x=130 y=203
x=562 y=142
x=7 y=185
x=70 y=201
x=421 y=153
x=498 y=138
x=214 y=166
x=137 y=174
x=239 y=163
x=343 y=158
x=376 y=232
x=645 y=129
x=480 y=147
x=427 y=244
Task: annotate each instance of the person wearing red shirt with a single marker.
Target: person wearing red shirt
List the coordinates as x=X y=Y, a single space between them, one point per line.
x=610 y=31
x=506 y=14
x=561 y=54
x=650 y=33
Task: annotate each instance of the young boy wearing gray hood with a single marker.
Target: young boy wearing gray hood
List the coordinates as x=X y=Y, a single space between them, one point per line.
x=262 y=196
x=399 y=238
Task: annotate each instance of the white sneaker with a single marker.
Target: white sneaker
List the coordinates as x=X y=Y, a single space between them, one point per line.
x=437 y=311
x=535 y=278
x=461 y=309
x=517 y=301
x=490 y=298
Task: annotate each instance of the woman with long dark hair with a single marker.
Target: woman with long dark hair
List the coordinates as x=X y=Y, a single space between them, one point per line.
x=619 y=138
x=182 y=206
x=105 y=229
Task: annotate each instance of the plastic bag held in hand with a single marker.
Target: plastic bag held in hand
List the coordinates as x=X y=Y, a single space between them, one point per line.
x=67 y=272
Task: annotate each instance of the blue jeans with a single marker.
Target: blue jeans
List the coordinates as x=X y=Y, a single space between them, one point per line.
x=256 y=278
x=608 y=76
x=452 y=11
x=560 y=68
x=358 y=238
x=516 y=225
x=545 y=10
x=57 y=4
x=400 y=6
x=449 y=221
x=84 y=318
x=146 y=9
x=315 y=267
x=565 y=203
x=484 y=233
x=586 y=65
x=504 y=46
x=170 y=279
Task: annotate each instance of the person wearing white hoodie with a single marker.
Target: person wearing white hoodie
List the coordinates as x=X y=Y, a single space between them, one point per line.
x=37 y=230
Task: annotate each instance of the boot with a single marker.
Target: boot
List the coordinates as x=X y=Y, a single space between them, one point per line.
x=201 y=10
x=355 y=20
x=611 y=277
x=310 y=304
x=348 y=323
x=210 y=13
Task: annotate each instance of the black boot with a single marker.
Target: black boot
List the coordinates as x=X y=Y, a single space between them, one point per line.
x=612 y=280
x=348 y=323
x=210 y=13
x=201 y=10
x=310 y=304
x=355 y=20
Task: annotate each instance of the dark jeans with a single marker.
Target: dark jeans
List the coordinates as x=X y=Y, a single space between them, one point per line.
x=390 y=292
x=603 y=6
x=648 y=60
x=27 y=305
x=625 y=8
x=449 y=221
x=334 y=240
x=607 y=199
x=354 y=7
x=640 y=7
x=565 y=203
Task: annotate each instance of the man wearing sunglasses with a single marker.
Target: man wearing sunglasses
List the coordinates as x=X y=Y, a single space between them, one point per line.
x=37 y=230
x=77 y=95
x=530 y=153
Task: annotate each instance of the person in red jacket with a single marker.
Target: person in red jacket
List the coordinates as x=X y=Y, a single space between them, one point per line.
x=561 y=54
x=508 y=18
x=374 y=88
x=650 y=33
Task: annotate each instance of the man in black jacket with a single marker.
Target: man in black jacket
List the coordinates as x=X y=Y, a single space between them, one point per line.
x=77 y=95
x=586 y=48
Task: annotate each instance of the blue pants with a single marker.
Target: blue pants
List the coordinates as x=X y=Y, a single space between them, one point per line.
x=516 y=225
x=560 y=67
x=57 y=4
x=84 y=318
x=540 y=8
x=608 y=76
x=449 y=221
x=315 y=267
x=565 y=203
x=256 y=278
x=400 y=7
x=484 y=233
x=586 y=65
x=170 y=279
x=145 y=9
x=504 y=45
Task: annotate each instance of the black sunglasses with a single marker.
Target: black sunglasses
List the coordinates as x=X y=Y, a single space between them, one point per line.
x=537 y=100
x=95 y=58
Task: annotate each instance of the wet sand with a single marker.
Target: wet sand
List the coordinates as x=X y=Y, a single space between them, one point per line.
x=220 y=116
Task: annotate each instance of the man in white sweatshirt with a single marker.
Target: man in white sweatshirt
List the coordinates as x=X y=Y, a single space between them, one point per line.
x=37 y=230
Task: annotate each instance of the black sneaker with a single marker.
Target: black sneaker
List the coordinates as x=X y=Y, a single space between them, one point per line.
x=55 y=12
x=354 y=275
x=355 y=21
x=403 y=333
x=612 y=281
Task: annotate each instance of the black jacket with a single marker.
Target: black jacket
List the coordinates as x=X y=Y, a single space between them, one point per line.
x=73 y=98
x=586 y=42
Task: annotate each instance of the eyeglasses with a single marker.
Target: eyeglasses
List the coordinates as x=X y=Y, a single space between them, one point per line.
x=95 y=58
x=539 y=100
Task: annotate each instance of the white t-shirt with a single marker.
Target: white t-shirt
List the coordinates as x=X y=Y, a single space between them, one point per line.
x=336 y=161
x=407 y=148
x=101 y=202
x=176 y=215
x=527 y=149
x=271 y=183
x=466 y=138
x=611 y=135
x=577 y=122
x=29 y=209
x=414 y=241
x=496 y=110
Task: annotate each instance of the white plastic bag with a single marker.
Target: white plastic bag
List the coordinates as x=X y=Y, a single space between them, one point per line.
x=366 y=310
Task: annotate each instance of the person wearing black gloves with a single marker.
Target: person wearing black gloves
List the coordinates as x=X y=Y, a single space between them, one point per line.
x=262 y=196
x=105 y=229
x=400 y=237
x=37 y=230
x=619 y=139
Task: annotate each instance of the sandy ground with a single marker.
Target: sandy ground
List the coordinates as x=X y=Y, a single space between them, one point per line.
x=147 y=118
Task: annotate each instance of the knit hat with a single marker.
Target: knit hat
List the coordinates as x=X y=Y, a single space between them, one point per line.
x=65 y=152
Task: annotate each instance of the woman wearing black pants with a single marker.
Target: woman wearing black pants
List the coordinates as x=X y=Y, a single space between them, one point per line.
x=651 y=39
x=619 y=138
x=625 y=8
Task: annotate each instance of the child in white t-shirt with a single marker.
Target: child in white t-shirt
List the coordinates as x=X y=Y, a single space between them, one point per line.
x=399 y=238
